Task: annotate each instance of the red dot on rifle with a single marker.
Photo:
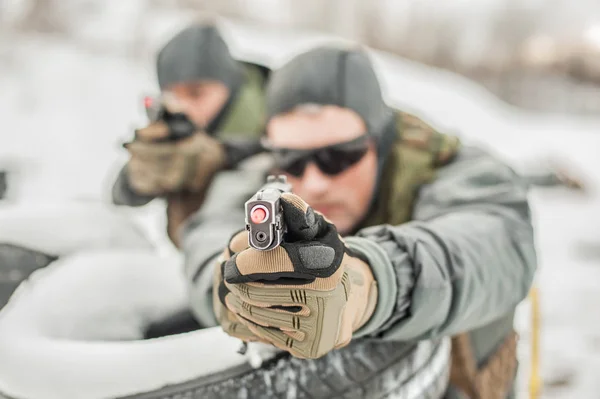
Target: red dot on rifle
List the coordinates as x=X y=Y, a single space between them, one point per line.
x=148 y=102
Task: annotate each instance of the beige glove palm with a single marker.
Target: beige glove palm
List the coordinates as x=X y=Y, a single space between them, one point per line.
x=226 y=318
x=308 y=295
x=157 y=168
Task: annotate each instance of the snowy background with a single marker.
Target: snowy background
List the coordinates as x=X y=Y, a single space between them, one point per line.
x=69 y=98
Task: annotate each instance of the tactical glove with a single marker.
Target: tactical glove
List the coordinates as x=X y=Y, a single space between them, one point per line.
x=306 y=296
x=157 y=168
x=226 y=318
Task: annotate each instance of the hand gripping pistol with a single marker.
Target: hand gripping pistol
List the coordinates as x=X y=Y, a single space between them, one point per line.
x=264 y=214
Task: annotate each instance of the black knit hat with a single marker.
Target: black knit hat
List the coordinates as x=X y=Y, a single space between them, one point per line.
x=334 y=76
x=198 y=53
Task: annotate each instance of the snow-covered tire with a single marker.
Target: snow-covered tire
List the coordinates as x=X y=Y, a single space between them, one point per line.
x=16 y=264
x=64 y=228
x=364 y=369
x=75 y=330
x=34 y=235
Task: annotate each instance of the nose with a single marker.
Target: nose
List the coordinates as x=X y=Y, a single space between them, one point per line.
x=196 y=114
x=315 y=182
x=188 y=105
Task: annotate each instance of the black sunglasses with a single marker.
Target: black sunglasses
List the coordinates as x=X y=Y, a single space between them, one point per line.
x=331 y=160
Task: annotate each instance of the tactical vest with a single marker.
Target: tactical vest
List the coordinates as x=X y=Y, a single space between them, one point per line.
x=478 y=370
x=418 y=151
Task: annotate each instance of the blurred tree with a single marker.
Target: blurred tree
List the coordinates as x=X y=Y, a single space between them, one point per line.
x=42 y=16
x=525 y=51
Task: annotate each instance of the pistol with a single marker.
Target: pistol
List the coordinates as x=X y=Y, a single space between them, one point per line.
x=180 y=126
x=264 y=214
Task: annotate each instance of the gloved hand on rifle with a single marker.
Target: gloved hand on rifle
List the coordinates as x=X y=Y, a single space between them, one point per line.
x=306 y=296
x=160 y=166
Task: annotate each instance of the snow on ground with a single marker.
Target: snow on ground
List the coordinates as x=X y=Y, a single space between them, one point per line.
x=83 y=226
x=66 y=109
x=55 y=347
x=75 y=330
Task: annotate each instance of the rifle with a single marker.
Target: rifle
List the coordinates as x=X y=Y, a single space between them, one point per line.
x=178 y=123
x=181 y=127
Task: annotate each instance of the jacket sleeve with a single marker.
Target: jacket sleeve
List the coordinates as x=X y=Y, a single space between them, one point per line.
x=122 y=194
x=465 y=260
x=206 y=233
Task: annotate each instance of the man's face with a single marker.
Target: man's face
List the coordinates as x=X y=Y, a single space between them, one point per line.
x=336 y=181
x=201 y=101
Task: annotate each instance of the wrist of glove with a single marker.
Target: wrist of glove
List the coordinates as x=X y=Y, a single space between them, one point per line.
x=306 y=296
x=158 y=168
